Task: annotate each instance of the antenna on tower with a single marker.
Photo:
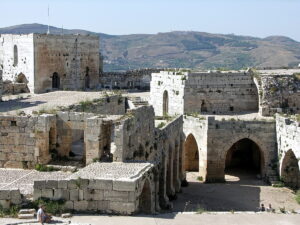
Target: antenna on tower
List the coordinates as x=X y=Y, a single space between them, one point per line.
x=48 y=32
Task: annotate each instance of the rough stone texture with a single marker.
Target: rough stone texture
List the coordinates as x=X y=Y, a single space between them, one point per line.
x=288 y=139
x=74 y=58
x=279 y=91
x=1 y=84
x=133 y=79
x=24 y=141
x=10 y=88
x=10 y=197
x=203 y=92
x=108 y=187
x=134 y=135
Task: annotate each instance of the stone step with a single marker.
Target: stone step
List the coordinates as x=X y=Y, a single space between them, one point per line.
x=27 y=211
x=26 y=216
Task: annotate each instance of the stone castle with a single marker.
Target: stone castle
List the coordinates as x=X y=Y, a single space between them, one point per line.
x=136 y=153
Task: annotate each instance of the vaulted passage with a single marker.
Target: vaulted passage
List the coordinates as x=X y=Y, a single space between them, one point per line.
x=244 y=156
x=191 y=154
x=55 y=81
x=290 y=173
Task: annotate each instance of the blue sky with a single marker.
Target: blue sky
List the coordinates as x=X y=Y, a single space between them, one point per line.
x=258 y=18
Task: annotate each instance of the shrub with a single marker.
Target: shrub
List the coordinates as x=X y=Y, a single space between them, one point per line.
x=282 y=209
x=200 y=178
x=279 y=184
x=11 y=212
x=85 y=105
x=297 y=198
x=54 y=207
x=161 y=125
x=43 y=168
x=200 y=210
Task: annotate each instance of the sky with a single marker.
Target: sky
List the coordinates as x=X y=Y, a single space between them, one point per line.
x=259 y=18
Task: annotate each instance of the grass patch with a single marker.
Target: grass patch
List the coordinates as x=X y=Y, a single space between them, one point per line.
x=85 y=105
x=297 y=198
x=200 y=178
x=279 y=184
x=43 y=168
x=161 y=125
x=53 y=207
x=11 y=212
x=200 y=209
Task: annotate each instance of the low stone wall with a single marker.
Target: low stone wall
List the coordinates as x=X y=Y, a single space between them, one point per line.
x=24 y=141
x=112 y=105
x=1 y=85
x=10 y=88
x=89 y=192
x=9 y=198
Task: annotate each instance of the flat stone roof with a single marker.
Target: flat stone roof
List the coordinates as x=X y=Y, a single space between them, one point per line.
x=279 y=71
x=113 y=171
x=11 y=179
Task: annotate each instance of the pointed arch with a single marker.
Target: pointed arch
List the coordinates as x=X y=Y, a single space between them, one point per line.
x=165 y=103
x=191 y=154
x=145 y=200
x=289 y=170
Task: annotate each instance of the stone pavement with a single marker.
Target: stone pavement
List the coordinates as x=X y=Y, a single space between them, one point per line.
x=23 y=179
x=173 y=219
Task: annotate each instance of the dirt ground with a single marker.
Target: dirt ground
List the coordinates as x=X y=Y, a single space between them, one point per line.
x=240 y=192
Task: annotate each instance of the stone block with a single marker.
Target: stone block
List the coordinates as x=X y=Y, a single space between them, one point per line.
x=66 y=215
x=26 y=216
x=39 y=184
x=100 y=184
x=98 y=195
x=69 y=205
x=27 y=211
x=73 y=184
x=80 y=195
x=92 y=205
x=61 y=194
x=124 y=185
x=5 y=204
x=80 y=205
x=120 y=196
x=103 y=205
x=37 y=193
x=74 y=195
x=122 y=207
x=51 y=184
x=4 y=194
x=47 y=193
x=62 y=184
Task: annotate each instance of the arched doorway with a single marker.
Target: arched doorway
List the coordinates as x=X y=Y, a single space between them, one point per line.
x=21 y=78
x=165 y=103
x=244 y=157
x=191 y=154
x=145 y=201
x=203 y=106
x=55 y=81
x=290 y=173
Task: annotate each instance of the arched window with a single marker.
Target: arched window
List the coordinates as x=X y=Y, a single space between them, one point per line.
x=15 y=55
x=165 y=103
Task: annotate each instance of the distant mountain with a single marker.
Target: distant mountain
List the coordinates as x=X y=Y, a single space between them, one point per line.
x=184 y=49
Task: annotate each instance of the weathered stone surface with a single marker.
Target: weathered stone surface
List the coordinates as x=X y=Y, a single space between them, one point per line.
x=26 y=216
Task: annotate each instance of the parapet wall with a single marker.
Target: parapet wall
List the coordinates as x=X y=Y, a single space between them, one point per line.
x=133 y=79
x=280 y=93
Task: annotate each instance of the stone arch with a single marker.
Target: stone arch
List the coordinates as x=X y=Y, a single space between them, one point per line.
x=21 y=78
x=203 y=106
x=165 y=103
x=191 y=154
x=55 y=81
x=289 y=170
x=16 y=56
x=246 y=154
x=145 y=199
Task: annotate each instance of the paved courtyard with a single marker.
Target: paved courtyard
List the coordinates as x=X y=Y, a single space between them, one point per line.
x=240 y=192
x=172 y=219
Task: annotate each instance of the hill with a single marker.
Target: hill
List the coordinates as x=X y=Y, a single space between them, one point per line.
x=184 y=49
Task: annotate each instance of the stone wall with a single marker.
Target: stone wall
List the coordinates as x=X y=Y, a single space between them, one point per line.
x=9 y=198
x=10 y=88
x=24 y=141
x=17 y=58
x=280 y=93
x=134 y=135
x=75 y=59
x=288 y=140
x=133 y=79
x=93 y=189
x=203 y=92
x=167 y=93
x=1 y=85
